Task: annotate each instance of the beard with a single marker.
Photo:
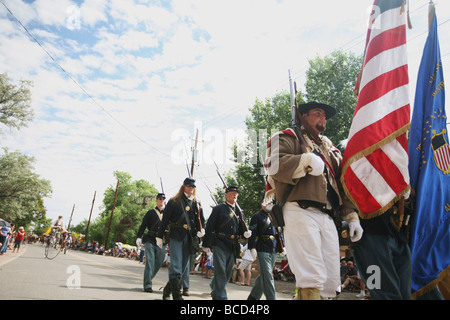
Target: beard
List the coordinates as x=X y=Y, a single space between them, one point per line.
x=321 y=127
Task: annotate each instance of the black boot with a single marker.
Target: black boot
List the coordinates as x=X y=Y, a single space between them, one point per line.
x=175 y=287
x=166 y=291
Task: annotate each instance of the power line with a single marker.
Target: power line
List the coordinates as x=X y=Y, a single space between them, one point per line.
x=78 y=84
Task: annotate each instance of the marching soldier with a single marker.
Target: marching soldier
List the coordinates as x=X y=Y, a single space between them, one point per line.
x=222 y=236
x=264 y=244
x=307 y=172
x=185 y=220
x=154 y=255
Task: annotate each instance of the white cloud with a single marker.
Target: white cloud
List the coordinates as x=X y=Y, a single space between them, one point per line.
x=93 y=12
x=53 y=13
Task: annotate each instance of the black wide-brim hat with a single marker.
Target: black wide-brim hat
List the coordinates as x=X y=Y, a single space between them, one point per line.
x=329 y=110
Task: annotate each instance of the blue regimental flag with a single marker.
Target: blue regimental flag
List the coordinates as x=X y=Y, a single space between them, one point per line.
x=429 y=168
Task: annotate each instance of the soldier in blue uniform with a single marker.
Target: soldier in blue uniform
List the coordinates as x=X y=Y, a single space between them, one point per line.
x=222 y=236
x=264 y=244
x=185 y=229
x=154 y=255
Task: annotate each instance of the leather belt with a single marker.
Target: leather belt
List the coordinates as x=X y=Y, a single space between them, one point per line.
x=184 y=226
x=223 y=235
x=305 y=204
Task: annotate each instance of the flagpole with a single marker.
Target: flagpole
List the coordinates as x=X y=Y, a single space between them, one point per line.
x=431 y=9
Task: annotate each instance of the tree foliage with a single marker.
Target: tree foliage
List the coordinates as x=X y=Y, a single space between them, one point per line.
x=35 y=218
x=15 y=108
x=134 y=199
x=21 y=189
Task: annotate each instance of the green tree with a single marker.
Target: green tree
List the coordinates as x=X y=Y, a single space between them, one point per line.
x=15 y=109
x=20 y=188
x=332 y=80
x=134 y=199
x=35 y=218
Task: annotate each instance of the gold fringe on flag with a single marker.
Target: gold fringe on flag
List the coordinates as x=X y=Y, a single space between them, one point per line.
x=442 y=282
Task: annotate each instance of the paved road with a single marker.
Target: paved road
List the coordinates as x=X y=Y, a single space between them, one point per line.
x=79 y=275
x=82 y=276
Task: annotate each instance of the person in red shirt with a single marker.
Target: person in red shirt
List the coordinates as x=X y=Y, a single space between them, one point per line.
x=20 y=236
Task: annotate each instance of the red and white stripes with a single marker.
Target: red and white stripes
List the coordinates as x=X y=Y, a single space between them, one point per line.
x=375 y=170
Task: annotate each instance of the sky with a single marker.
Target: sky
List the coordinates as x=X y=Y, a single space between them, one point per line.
x=125 y=85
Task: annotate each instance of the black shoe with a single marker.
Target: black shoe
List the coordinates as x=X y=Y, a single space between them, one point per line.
x=150 y=290
x=186 y=292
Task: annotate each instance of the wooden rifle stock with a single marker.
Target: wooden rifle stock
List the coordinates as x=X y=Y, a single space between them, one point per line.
x=279 y=241
x=241 y=217
x=199 y=208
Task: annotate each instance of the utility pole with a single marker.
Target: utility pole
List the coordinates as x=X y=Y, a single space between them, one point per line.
x=70 y=220
x=112 y=212
x=90 y=215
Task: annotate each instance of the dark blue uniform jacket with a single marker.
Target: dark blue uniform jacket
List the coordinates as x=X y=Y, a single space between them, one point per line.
x=264 y=235
x=151 y=222
x=223 y=228
x=175 y=219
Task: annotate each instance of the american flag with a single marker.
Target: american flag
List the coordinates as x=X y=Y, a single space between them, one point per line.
x=375 y=168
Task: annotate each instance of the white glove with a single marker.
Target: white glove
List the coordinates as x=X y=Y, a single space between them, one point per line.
x=406 y=195
x=315 y=162
x=201 y=233
x=247 y=234
x=254 y=253
x=159 y=242
x=138 y=242
x=355 y=230
x=283 y=253
x=207 y=251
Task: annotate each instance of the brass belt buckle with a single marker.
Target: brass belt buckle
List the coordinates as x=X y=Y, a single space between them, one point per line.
x=271 y=237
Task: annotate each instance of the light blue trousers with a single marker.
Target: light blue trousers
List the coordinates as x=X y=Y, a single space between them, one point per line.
x=223 y=263
x=264 y=283
x=154 y=257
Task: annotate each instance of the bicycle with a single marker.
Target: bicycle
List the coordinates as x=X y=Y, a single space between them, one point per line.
x=53 y=245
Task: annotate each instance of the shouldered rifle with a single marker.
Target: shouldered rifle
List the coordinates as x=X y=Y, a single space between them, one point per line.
x=297 y=129
x=199 y=208
x=239 y=210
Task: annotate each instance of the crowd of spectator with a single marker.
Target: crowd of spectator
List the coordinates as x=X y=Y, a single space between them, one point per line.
x=10 y=237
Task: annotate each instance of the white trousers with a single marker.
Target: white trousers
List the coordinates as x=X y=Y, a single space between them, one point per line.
x=312 y=247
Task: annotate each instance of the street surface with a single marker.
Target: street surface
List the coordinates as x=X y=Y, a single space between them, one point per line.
x=78 y=275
